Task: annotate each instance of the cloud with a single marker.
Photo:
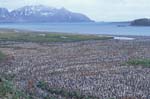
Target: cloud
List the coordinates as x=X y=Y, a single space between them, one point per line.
x=107 y=10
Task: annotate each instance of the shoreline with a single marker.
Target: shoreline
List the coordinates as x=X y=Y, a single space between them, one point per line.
x=118 y=37
x=47 y=37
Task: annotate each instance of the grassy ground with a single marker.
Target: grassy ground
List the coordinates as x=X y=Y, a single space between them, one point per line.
x=9 y=91
x=2 y=56
x=47 y=37
x=139 y=62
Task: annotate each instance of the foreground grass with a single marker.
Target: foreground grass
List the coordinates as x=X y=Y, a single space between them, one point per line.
x=2 y=56
x=9 y=91
x=141 y=62
x=48 y=37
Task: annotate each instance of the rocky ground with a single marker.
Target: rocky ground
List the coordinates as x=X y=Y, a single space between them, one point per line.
x=91 y=67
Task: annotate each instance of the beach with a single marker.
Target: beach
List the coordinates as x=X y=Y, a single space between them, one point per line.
x=92 y=67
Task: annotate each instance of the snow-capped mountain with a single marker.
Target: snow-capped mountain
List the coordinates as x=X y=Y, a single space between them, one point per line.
x=41 y=13
x=33 y=10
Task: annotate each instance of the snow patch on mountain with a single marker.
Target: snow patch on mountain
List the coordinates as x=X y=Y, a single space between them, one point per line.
x=42 y=13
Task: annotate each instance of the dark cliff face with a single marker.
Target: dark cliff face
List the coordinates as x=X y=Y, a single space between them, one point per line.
x=141 y=22
x=41 y=14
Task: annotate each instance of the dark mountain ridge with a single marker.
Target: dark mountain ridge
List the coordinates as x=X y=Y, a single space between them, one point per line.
x=141 y=22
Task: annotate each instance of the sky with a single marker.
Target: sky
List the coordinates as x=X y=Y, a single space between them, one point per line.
x=98 y=10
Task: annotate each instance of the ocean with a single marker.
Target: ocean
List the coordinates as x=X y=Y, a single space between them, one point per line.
x=108 y=28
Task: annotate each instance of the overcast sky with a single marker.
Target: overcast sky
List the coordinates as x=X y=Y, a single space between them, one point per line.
x=99 y=10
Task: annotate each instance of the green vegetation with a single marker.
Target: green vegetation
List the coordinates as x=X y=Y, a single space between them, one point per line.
x=141 y=62
x=2 y=56
x=48 y=37
x=9 y=91
x=62 y=92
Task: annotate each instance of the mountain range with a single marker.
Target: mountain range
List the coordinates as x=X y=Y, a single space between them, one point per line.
x=41 y=13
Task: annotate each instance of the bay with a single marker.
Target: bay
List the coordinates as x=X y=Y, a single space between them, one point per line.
x=108 y=28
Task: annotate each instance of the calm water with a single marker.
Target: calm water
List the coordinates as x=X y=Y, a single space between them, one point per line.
x=83 y=28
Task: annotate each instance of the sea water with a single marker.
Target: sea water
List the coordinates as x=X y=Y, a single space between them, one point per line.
x=108 y=28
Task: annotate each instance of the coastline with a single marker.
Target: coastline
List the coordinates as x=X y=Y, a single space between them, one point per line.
x=47 y=37
x=117 y=37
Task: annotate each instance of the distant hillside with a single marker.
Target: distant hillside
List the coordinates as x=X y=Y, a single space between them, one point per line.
x=41 y=13
x=141 y=22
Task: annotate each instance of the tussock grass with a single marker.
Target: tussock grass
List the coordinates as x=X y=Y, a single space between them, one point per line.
x=9 y=91
x=139 y=62
x=2 y=56
x=48 y=37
